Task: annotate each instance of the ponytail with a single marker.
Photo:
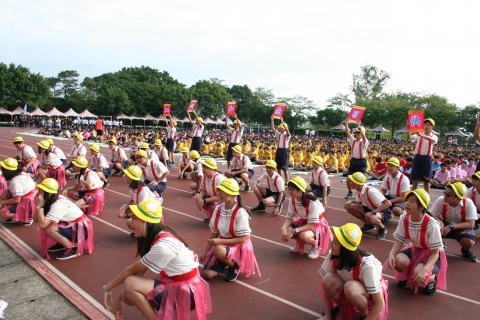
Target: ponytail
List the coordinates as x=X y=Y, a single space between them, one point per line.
x=240 y=203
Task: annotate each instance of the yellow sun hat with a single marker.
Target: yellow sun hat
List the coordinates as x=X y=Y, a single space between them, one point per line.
x=9 y=164
x=459 y=188
x=158 y=142
x=50 y=141
x=422 y=196
x=194 y=155
x=49 y=185
x=144 y=145
x=358 y=178
x=299 y=182
x=394 y=161
x=235 y=122
x=359 y=129
x=200 y=119
x=78 y=136
x=174 y=123
x=80 y=162
x=141 y=153
x=318 y=160
x=113 y=140
x=17 y=139
x=95 y=147
x=349 y=235
x=476 y=174
x=44 y=144
x=271 y=164
x=210 y=163
x=184 y=150
x=281 y=126
x=237 y=149
x=148 y=210
x=230 y=186
x=133 y=172
x=429 y=120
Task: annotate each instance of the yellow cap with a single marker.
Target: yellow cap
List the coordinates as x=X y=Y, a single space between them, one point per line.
x=50 y=141
x=429 y=120
x=95 y=147
x=394 y=161
x=133 y=172
x=174 y=123
x=358 y=178
x=271 y=164
x=49 y=185
x=158 y=142
x=44 y=144
x=476 y=174
x=359 y=129
x=210 y=163
x=78 y=136
x=237 y=149
x=113 y=140
x=235 y=122
x=184 y=150
x=141 y=153
x=281 y=126
x=80 y=162
x=230 y=186
x=200 y=119
x=144 y=145
x=148 y=210
x=318 y=160
x=194 y=155
x=459 y=188
x=299 y=182
x=422 y=196
x=9 y=164
x=349 y=235
x=17 y=139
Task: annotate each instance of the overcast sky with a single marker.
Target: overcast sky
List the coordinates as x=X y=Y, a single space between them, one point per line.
x=310 y=48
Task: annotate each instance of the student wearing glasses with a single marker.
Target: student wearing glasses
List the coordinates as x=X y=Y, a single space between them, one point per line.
x=457 y=214
x=310 y=227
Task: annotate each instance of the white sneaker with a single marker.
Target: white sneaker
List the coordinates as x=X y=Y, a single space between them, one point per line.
x=294 y=249
x=313 y=254
x=29 y=223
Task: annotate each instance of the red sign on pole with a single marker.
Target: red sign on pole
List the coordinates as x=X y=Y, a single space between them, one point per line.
x=415 y=121
x=231 y=108
x=167 y=109
x=356 y=114
x=192 y=105
x=278 y=110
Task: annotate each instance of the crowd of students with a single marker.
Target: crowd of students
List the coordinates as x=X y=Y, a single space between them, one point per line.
x=34 y=188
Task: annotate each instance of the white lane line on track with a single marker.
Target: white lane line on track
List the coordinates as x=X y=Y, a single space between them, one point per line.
x=281 y=244
x=57 y=272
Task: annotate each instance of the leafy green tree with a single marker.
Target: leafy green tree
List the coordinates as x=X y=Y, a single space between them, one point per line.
x=112 y=101
x=369 y=83
x=467 y=118
x=299 y=109
x=19 y=86
x=329 y=117
x=247 y=104
x=212 y=97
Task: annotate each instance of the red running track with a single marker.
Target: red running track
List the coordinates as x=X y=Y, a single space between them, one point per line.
x=288 y=286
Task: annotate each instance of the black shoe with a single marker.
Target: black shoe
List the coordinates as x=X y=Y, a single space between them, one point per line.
x=132 y=235
x=28 y=223
x=382 y=232
x=106 y=185
x=431 y=288
x=469 y=255
x=247 y=189
x=349 y=195
x=232 y=273
x=334 y=312
x=240 y=183
x=65 y=256
x=402 y=284
x=117 y=174
x=56 y=248
x=184 y=176
x=10 y=221
x=367 y=227
x=260 y=207
x=206 y=220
